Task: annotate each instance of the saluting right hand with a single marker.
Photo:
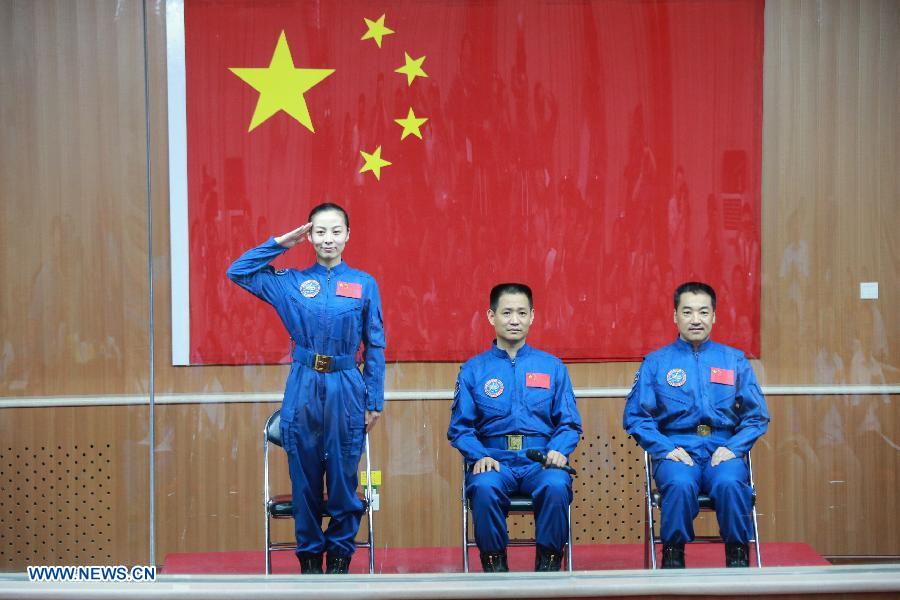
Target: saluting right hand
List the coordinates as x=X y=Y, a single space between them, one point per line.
x=292 y=238
x=680 y=455
x=483 y=465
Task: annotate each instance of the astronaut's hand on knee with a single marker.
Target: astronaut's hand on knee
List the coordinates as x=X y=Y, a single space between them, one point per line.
x=483 y=465
x=680 y=455
x=721 y=455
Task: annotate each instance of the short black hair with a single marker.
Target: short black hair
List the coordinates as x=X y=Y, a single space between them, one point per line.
x=329 y=206
x=695 y=287
x=509 y=288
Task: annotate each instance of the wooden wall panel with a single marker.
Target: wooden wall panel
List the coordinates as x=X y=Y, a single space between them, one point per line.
x=828 y=473
x=831 y=180
x=74 y=487
x=73 y=216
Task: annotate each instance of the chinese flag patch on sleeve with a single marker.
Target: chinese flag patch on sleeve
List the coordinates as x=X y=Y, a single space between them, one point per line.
x=349 y=290
x=537 y=380
x=723 y=376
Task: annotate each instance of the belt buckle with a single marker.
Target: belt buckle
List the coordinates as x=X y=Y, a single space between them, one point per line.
x=322 y=363
x=704 y=430
x=514 y=442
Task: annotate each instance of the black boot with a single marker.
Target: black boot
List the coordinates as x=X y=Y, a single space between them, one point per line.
x=673 y=556
x=737 y=555
x=310 y=564
x=337 y=565
x=547 y=560
x=494 y=562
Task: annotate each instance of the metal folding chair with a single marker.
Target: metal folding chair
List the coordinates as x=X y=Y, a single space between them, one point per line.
x=518 y=504
x=280 y=506
x=653 y=499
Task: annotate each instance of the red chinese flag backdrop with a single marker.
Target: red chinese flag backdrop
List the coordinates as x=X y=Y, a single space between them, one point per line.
x=601 y=152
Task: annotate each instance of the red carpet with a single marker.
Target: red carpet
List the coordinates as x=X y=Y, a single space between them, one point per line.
x=449 y=560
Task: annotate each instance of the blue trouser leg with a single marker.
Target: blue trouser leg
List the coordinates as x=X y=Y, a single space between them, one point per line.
x=728 y=485
x=679 y=485
x=344 y=431
x=551 y=490
x=489 y=494
x=306 y=469
x=324 y=442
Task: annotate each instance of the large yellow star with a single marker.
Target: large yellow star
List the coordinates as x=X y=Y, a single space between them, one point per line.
x=412 y=68
x=281 y=86
x=376 y=30
x=411 y=125
x=374 y=162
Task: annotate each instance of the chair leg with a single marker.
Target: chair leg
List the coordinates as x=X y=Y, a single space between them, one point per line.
x=371 y=542
x=465 y=521
x=649 y=525
x=570 y=553
x=756 y=538
x=267 y=523
x=648 y=546
x=465 y=533
x=369 y=510
x=649 y=538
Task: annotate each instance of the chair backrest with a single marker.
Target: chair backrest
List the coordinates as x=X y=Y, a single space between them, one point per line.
x=273 y=428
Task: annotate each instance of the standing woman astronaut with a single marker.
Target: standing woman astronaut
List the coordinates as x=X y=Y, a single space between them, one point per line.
x=328 y=309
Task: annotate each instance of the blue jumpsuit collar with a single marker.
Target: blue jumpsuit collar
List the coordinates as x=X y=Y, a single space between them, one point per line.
x=501 y=353
x=689 y=347
x=337 y=269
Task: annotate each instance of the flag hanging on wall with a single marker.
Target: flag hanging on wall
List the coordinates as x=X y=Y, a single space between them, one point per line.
x=601 y=152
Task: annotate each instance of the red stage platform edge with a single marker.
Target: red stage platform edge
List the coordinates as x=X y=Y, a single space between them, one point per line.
x=448 y=560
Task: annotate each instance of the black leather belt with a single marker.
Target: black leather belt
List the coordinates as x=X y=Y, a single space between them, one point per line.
x=514 y=441
x=322 y=362
x=701 y=430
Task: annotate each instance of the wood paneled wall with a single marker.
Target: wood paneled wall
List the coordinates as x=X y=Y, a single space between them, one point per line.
x=73 y=486
x=74 y=293
x=73 y=215
x=831 y=184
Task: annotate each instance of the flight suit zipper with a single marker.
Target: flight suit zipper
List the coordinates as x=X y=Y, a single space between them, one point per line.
x=701 y=389
x=515 y=387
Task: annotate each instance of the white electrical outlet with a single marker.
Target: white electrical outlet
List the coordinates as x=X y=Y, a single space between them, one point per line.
x=375 y=499
x=868 y=290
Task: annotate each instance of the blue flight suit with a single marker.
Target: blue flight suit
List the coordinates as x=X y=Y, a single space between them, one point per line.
x=675 y=391
x=531 y=396
x=323 y=413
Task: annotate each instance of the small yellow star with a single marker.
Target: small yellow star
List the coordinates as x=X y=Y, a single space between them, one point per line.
x=411 y=125
x=376 y=30
x=374 y=162
x=281 y=86
x=412 y=68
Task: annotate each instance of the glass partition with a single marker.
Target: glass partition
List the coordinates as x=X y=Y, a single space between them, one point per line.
x=75 y=375
x=601 y=152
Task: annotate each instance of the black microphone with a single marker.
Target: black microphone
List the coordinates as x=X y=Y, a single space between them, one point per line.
x=539 y=457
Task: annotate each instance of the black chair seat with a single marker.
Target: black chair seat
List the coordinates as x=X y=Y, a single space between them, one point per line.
x=282 y=505
x=705 y=501
x=521 y=504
